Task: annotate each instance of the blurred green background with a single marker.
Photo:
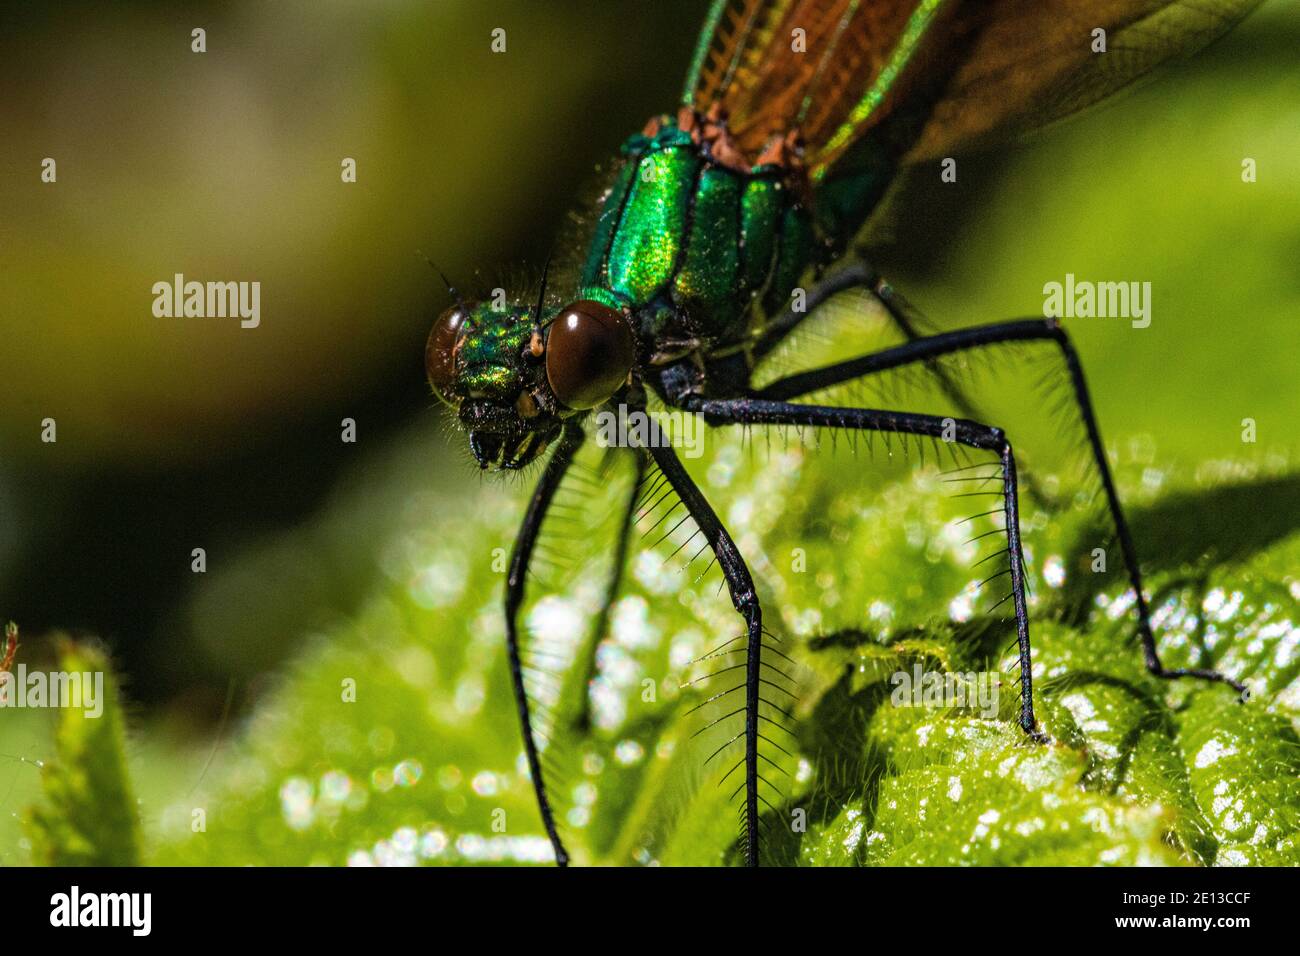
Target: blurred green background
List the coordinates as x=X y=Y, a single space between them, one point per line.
x=183 y=433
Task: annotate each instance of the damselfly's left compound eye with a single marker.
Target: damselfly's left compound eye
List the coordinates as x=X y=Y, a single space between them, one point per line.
x=589 y=352
x=440 y=353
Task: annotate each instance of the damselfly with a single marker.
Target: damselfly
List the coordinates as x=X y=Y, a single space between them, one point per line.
x=727 y=223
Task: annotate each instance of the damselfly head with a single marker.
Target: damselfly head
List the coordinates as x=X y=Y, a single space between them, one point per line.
x=514 y=374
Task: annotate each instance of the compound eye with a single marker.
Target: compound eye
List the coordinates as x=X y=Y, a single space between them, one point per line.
x=589 y=352
x=440 y=353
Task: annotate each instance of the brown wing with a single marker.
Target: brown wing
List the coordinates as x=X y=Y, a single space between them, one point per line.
x=1001 y=67
x=780 y=65
x=1033 y=62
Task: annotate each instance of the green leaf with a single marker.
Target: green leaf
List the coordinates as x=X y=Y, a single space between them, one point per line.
x=1244 y=770
x=425 y=764
x=89 y=815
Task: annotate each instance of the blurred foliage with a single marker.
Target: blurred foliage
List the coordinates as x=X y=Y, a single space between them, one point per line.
x=89 y=816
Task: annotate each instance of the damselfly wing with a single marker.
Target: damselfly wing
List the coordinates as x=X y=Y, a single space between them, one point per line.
x=795 y=119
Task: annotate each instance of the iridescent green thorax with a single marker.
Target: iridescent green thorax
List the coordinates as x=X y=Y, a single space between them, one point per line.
x=694 y=241
x=488 y=349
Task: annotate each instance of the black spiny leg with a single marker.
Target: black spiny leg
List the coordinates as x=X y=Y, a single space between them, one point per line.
x=859 y=274
x=1022 y=330
x=749 y=411
x=856 y=275
x=745 y=601
x=570 y=442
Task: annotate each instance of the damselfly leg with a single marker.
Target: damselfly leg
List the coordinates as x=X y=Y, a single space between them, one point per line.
x=740 y=584
x=926 y=350
x=860 y=274
x=570 y=441
x=754 y=411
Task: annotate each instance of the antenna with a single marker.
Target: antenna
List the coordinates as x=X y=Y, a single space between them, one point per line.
x=541 y=296
x=445 y=281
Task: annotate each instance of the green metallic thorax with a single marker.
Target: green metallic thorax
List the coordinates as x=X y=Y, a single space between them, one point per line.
x=692 y=245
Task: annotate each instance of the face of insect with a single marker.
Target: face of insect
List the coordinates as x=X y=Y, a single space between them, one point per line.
x=515 y=380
